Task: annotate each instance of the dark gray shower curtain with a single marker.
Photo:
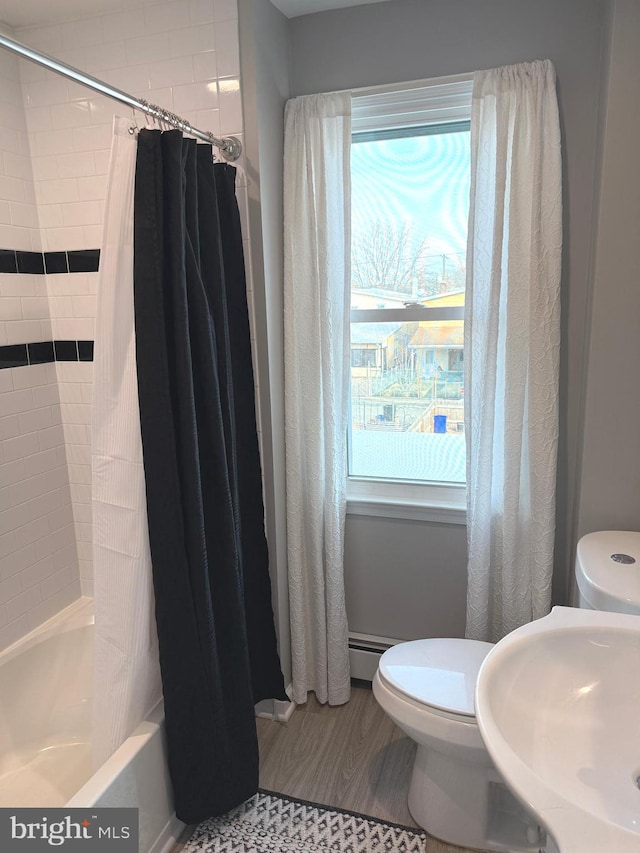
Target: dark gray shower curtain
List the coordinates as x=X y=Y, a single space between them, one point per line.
x=216 y=634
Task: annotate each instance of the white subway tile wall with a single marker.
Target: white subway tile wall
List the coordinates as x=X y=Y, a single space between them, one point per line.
x=18 y=214
x=182 y=55
x=38 y=554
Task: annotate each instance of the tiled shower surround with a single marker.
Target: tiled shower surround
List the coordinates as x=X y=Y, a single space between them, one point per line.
x=55 y=137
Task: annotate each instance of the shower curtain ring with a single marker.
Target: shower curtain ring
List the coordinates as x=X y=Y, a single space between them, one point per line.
x=134 y=127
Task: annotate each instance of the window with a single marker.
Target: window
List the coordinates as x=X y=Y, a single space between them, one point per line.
x=364 y=357
x=410 y=170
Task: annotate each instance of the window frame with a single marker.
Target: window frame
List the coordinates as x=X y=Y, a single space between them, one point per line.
x=417 y=108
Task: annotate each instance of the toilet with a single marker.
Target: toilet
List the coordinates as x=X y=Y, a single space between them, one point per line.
x=608 y=571
x=427 y=688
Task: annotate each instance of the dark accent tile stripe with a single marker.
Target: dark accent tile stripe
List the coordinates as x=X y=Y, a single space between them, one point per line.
x=66 y=350
x=77 y=260
x=44 y=352
x=85 y=260
x=30 y=262
x=8 y=261
x=41 y=353
x=55 y=262
x=14 y=355
x=85 y=350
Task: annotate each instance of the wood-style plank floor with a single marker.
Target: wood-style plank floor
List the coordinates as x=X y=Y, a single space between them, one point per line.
x=351 y=756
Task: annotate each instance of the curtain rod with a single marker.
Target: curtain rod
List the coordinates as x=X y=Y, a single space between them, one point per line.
x=230 y=147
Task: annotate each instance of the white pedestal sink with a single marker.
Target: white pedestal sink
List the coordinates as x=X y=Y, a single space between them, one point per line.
x=558 y=706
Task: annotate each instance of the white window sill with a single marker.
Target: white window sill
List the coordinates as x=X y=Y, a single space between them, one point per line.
x=412 y=511
x=414 y=502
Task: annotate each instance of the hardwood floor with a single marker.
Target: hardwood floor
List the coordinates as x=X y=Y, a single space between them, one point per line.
x=351 y=757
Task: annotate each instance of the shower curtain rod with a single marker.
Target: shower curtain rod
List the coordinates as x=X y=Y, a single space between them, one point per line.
x=230 y=147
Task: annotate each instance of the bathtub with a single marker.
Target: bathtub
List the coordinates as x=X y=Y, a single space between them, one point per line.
x=45 y=734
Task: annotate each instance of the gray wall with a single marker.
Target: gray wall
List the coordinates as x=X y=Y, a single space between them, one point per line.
x=405 y=579
x=408 y=578
x=413 y=39
x=610 y=476
x=264 y=56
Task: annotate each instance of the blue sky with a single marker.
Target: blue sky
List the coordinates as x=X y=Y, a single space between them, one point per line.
x=422 y=180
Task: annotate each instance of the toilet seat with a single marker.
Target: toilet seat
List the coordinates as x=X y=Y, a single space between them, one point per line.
x=436 y=675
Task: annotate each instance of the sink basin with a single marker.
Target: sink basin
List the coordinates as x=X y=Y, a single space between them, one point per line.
x=558 y=706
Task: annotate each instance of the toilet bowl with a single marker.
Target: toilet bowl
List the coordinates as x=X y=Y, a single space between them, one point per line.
x=427 y=688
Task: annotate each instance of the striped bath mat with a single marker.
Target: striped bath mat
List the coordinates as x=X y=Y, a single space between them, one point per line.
x=271 y=823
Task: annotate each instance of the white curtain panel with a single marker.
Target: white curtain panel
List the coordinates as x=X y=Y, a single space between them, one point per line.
x=512 y=342
x=127 y=673
x=317 y=214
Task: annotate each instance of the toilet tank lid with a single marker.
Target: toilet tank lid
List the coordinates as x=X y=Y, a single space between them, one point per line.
x=438 y=672
x=606 y=578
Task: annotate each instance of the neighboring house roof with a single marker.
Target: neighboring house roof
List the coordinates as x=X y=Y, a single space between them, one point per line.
x=374 y=295
x=454 y=297
x=448 y=333
x=372 y=333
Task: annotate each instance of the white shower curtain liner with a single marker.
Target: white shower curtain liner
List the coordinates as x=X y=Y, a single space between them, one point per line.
x=512 y=346
x=127 y=681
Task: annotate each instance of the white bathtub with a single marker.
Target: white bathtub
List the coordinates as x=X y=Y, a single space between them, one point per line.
x=45 y=734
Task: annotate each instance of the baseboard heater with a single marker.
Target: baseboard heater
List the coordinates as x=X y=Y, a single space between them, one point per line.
x=364 y=654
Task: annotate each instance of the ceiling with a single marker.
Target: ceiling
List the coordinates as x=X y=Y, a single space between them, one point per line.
x=27 y=13
x=295 y=8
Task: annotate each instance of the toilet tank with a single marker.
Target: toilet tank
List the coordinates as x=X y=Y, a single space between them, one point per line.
x=608 y=571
